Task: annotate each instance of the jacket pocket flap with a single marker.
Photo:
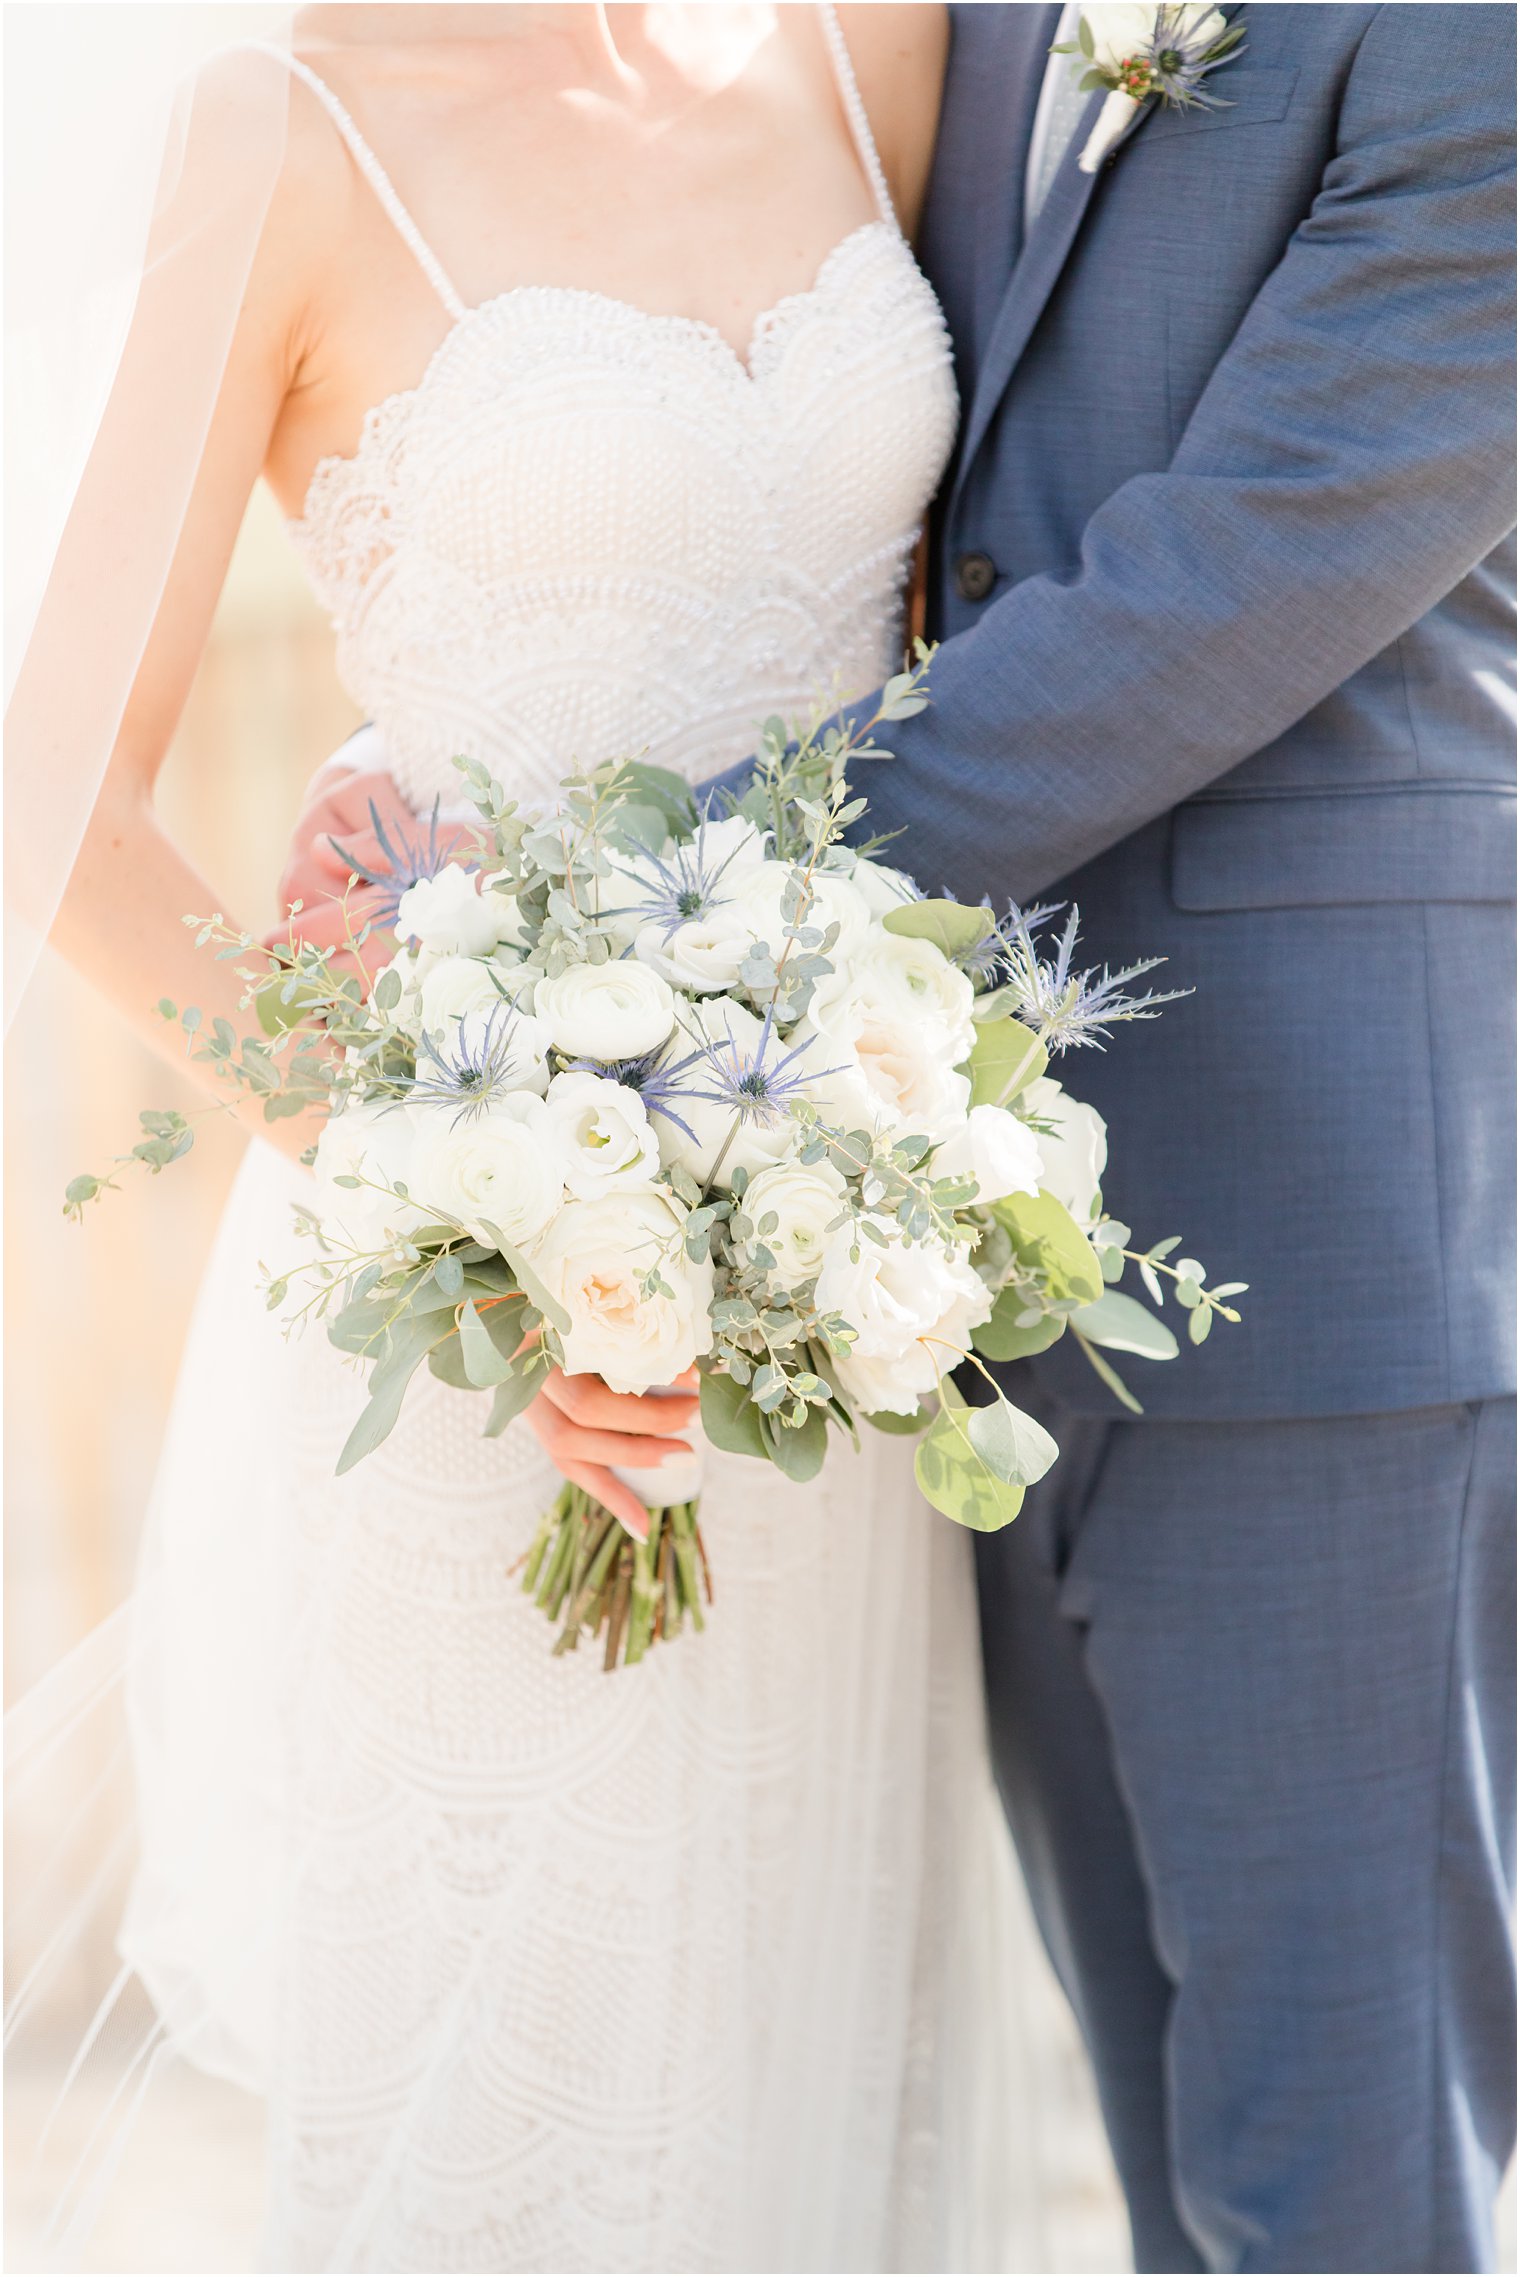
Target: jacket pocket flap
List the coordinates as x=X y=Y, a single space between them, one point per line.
x=1318 y=849
x=1246 y=98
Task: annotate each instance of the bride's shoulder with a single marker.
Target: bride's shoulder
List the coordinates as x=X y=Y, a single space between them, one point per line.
x=899 y=49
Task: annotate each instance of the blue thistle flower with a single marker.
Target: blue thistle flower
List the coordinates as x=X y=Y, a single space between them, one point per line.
x=1071 y=1008
x=655 y=1082
x=407 y=858
x=470 y=1071
x=684 y=884
x=750 y=1084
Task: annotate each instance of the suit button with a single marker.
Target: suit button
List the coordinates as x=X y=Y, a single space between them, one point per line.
x=975 y=576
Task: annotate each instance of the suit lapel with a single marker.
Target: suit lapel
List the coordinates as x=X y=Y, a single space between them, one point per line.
x=1011 y=67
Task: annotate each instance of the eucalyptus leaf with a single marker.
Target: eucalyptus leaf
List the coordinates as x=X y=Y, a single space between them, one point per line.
x=1012 y=1445
x=950 y=925
x=408 y=1344
x=1111 y=1377
x=1047 y=1238
x=798 y=1450
x=483 y=1360
x=1000 y=1336
x=956 y=1478
x=1005 y=1057
x=729 y=1418
x=899 y=1426
x=1121 y=1325
x=516 y=1393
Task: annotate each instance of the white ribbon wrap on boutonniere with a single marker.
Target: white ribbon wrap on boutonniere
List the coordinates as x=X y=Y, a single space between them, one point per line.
x=1142 y=52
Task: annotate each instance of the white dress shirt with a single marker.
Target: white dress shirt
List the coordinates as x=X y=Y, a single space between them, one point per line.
x=1060 y=106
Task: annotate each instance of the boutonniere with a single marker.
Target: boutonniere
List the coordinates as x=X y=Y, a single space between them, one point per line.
x=1139 y=52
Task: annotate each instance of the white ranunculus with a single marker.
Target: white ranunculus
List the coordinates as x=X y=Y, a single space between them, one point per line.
x=495 y=1169
x=593 y=1259
x=449 y=915
x=835 y=902
x=375 y=1141
x=704 y=954
x=458 y=989
x=806 y=1199
x=606 y=1012
x=601 y=1134
x=913 y=1310
x=882 y=888
x=996 y=1149
x=1074 y=1153
x=760 y=1138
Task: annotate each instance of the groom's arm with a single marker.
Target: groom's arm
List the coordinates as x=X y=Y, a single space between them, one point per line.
x=1349 y=462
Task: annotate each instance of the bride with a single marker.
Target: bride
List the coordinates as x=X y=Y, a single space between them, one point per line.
x=585 y=350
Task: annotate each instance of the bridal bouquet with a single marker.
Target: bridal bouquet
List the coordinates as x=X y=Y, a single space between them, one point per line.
x=646 y=1088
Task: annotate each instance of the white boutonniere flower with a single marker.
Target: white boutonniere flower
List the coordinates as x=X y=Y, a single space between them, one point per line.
x=1140 y=52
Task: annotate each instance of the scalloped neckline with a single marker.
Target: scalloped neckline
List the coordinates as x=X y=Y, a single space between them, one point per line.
x=746 y=368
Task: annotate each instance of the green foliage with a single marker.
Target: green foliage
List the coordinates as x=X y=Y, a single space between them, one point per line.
x=1005 y=1058
x=1121 y=1325
x=950 y=925
x=973 y=1464
x=1009 y=1334
x=1048 y=1241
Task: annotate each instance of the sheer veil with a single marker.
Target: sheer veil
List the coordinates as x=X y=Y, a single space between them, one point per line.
x=140 y=157
x=143 y=144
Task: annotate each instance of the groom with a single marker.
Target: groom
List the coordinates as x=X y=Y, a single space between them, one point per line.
x=1222 y=581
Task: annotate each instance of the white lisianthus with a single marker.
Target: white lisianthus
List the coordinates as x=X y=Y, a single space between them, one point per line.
x=913 y=1310
x=1073 y=1152
x=601 y=1134
x=996 y=1149
x=606 y=1012
x=495 y=1170
x=761 y=1135
x=449 y=915
x=880 y=887
x=805 y=1199
x=375 y=1141
x=593 y=1260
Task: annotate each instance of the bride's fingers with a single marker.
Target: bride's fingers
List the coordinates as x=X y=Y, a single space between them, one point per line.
x=572 y=1443
x=619 y=1499
x=586 y=1400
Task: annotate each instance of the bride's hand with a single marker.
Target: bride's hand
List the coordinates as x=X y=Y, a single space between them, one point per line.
x=337 y=833
x=585 y=1429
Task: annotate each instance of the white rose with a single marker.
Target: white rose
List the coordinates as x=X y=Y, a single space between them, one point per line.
x=374 y=1141
x=913 y=1310
x=913 y=980
x=607 y=1012
x=491 y=1170
x=1074 y=1153
x=882 y=888
x=449 y=915
x=805 y=1199
x=1121 y=30
x=704 y=954
x=593 y=1259
x=996 y=1149
x=879 y=1074
x=601 y=1134
x=760 y=1138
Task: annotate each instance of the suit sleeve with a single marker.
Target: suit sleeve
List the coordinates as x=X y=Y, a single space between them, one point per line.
x=1350 y=460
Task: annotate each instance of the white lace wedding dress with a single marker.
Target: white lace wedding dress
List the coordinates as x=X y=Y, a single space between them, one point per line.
x=699 y=1966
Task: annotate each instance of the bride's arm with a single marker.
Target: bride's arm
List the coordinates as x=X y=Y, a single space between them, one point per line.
x=899 y=50
x=121 y=918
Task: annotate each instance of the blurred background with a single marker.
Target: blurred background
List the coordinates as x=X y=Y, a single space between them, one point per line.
x=96 y=1317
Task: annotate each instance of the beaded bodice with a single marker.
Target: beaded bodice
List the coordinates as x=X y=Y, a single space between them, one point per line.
x=592 y=532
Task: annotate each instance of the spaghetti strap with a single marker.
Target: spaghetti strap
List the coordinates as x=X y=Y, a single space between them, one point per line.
x=374 y=173
x=855 y=111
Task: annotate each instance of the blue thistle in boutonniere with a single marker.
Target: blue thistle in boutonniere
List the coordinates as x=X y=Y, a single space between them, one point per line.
x=1141 y=53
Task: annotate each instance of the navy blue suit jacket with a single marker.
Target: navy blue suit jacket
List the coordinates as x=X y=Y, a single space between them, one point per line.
x=1237 y=442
